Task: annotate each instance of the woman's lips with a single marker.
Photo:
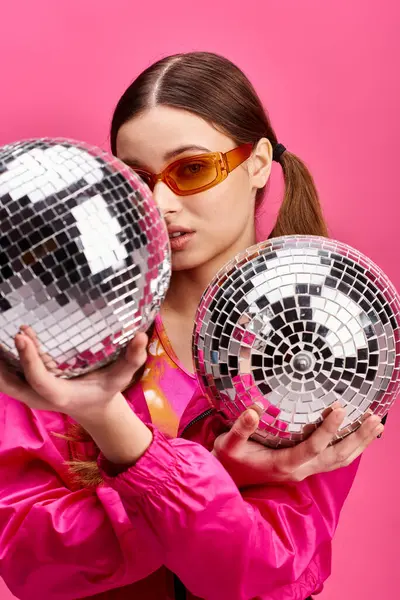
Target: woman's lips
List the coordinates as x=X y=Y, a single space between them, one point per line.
x=180 y=242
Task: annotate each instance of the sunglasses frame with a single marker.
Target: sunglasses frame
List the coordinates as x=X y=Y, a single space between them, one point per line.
x=224 y=162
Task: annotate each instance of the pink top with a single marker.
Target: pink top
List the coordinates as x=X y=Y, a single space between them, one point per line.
x=165 y=399
x=175 y=511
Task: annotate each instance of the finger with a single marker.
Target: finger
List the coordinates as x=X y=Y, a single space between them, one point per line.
x=318 y=441
x=36 y=374
x=49 y=362
x=27 y=330
x=136 y=349
x=357 y=438
x=241 y=430
x=258 y=407
x=118 y=375
x=377 y=432
x=12 y=384
x=344 y=452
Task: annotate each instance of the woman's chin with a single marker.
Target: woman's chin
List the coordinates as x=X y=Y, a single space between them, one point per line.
x=186 y=261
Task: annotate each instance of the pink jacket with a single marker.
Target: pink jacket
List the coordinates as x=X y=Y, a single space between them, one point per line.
x=177 y=510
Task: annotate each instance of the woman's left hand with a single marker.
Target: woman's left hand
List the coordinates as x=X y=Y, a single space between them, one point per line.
x=251 y=463
x=83 y=398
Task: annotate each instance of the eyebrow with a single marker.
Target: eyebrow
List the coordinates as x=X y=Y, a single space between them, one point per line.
x=169 y=155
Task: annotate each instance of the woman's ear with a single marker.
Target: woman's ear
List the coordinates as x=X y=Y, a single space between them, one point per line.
x=260 y=163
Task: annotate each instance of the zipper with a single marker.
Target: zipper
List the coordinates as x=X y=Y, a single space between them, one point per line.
x=180 y=592
x=197 y=419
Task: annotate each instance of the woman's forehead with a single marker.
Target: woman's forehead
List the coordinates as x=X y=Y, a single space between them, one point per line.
x=159 y=132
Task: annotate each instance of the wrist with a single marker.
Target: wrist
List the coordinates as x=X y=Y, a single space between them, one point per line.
x=119 y=433
x=100 y=415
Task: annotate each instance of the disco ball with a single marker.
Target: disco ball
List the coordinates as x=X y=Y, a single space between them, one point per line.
x=84 y=254
x=294 y=324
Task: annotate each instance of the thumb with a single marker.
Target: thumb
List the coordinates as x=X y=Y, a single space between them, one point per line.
x=118 y=375
x=242 y=429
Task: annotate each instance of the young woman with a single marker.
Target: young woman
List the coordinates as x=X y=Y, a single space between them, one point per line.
x=168 y=503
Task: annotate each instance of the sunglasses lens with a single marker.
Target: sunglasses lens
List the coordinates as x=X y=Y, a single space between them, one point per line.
x=194 y=174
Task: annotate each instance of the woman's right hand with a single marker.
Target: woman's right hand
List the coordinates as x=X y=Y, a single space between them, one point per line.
x=80 y=397
x=251 y=463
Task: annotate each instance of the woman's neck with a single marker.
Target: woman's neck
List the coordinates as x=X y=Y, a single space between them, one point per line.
x=184 y=293
x=187 y=286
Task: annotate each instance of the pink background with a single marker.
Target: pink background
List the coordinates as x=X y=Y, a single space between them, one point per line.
x=328 y=73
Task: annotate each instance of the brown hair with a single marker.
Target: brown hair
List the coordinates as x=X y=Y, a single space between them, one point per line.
x=216 y=90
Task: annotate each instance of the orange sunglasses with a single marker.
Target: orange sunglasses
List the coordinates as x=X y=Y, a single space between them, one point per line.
x=198 y=173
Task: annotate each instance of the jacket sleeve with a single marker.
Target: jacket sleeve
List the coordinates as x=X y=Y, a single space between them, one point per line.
x=221 y=543
x=57 y=543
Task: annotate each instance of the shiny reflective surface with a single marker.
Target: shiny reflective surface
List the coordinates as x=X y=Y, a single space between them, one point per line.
x=294 y=324
x=84 y=255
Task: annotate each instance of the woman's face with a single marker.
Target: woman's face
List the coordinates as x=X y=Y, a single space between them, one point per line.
x=221 y=219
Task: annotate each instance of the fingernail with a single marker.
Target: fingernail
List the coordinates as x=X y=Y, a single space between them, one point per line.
x=248 y=419
x=379 y=430
x=20 y=342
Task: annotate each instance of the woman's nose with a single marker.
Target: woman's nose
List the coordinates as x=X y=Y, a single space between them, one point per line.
x=167 y=201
